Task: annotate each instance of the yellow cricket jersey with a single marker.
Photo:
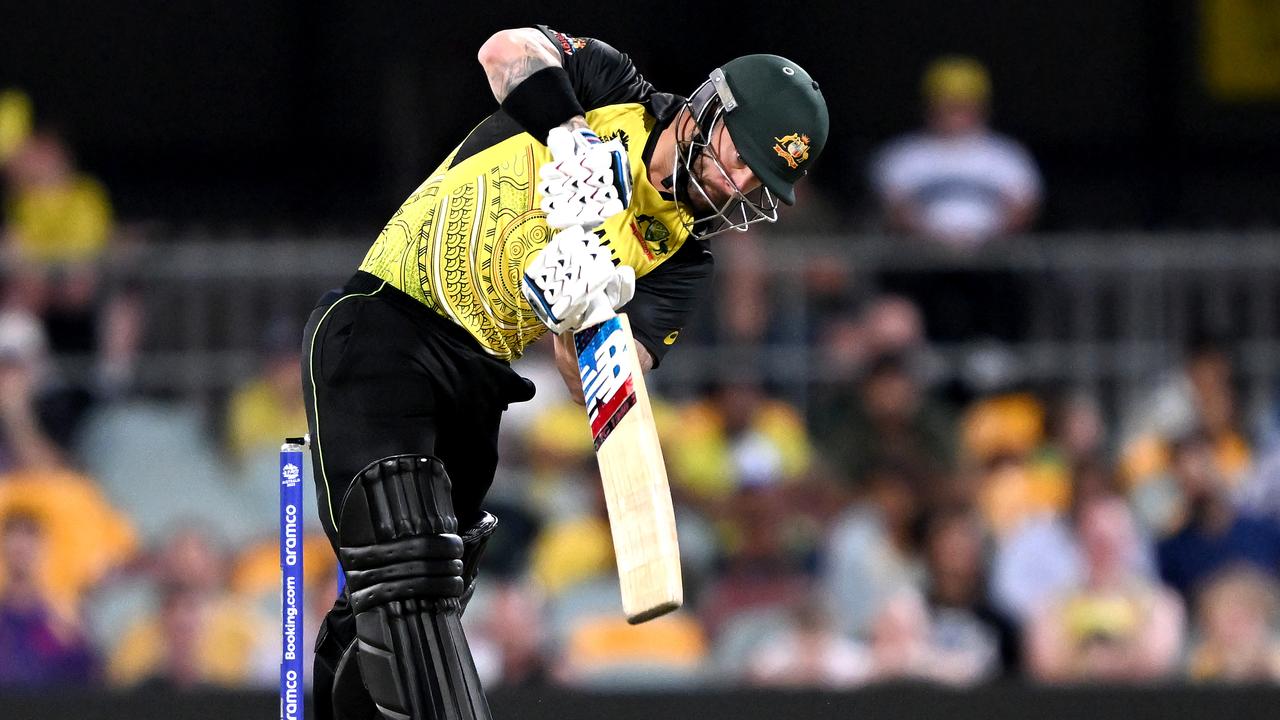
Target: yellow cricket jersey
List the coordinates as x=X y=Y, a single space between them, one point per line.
x=460 y=243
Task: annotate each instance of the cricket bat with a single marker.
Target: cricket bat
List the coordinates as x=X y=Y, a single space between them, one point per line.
x=641 y=518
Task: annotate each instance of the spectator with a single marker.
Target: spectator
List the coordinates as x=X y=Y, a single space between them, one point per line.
x=888 y=325
x=890 y=416
x=1041 y=559
x=57 y=227
x=198 y=634
x=810 y=652
x=1116 y=626
x=1236 y=614
x=55 y=214
x=1034 y=564
x=1199 y=397
x=39 y=644
x=269 y=406
x=505 y=620
x=1216 y=533
x=87 y=537
x=958 y=182
x=734 y=434
x=871 y=550
x=25 y=440
x=899 y=637
x=576 y=546
x=766 y=555
x=15 y=122
x=971 y=640
x=1001 y=435
x=1076 y=435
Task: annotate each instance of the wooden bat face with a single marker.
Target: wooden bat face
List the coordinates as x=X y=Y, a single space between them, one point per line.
x=638 y=497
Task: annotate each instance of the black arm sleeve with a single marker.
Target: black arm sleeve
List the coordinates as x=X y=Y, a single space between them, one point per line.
x=600 y=74
x=667 y=296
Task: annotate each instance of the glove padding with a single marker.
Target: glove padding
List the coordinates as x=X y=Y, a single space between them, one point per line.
x=573 y=281
x=586 y=182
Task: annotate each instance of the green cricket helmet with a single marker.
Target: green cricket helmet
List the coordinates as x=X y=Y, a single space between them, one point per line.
x=777 y=118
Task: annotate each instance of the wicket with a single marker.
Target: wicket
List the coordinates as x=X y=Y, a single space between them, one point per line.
x=292 y=688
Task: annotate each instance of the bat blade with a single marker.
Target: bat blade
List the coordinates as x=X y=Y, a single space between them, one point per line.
x=637 y=494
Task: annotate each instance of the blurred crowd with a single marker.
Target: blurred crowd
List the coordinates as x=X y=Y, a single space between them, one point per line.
x=890 y=528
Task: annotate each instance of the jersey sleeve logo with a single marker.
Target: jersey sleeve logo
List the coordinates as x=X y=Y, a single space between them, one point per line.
x=569 y=44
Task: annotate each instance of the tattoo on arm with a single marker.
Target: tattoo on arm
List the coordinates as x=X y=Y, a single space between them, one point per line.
x=535 y=53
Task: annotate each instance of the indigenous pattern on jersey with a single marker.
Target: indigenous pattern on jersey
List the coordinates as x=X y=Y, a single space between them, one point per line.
x=459 y=244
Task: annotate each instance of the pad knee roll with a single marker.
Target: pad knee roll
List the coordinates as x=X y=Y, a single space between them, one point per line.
x=398 y=535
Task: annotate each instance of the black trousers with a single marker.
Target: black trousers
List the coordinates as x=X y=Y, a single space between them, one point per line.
x=383 y=375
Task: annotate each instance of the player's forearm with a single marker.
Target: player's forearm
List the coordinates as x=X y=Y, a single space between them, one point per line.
x=567 y=365
x=511 y=56
x=646 y=360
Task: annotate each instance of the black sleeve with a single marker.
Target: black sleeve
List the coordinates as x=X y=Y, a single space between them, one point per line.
x=665 y=298
x=601 y=75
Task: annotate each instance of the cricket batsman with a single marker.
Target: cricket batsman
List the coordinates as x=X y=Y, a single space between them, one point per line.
x=586 y=187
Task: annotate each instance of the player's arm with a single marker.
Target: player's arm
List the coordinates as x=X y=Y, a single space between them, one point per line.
x=521 y=64
x=572 y=280
x=543 y=89
x=512 y=56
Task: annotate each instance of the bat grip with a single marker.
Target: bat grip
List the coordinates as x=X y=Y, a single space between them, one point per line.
x=597 y=312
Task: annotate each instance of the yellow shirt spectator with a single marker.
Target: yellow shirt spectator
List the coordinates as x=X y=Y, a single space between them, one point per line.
x=570 y=552
x=63 y=223
x=190 y=642
x=701 y=454
x=259 y=416
x=87 y=537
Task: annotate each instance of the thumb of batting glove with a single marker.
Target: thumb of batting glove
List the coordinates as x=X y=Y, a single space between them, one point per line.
x=620 y=288
x=617 y=291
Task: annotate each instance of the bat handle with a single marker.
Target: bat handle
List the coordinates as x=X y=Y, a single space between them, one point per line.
x=598 y=312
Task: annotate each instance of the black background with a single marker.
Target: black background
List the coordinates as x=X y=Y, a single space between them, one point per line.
x=310 y=113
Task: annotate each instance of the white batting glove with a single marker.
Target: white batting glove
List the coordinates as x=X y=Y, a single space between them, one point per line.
x=604 y=304
x=586 y=182
x=572 y=275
